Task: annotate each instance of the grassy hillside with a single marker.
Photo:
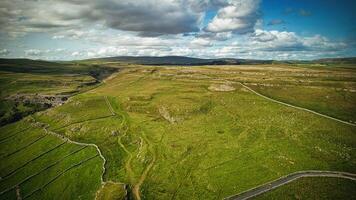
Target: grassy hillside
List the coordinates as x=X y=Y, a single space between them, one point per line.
x=314 y=188
x=197 y=133
x=37 y=165
x=28 y=86
x=54 y=68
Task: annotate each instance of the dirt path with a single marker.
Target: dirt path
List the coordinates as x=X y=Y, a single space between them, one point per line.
x=287 y=179
x=136 y=187
x=296 y=107
x=18 y=193
x=128 y=167
x=128 y=162
x=109 y=106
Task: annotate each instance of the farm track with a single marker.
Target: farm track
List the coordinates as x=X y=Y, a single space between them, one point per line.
x=136 y=187
x=287 y=179
x=128 y=162
x=128 y=167
x=296 y=107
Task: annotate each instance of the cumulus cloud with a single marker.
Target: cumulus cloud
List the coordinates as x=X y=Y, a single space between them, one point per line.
x=34 y=52
x=201 y=42
x=147 y=17
x=239 y=16
x=4 y=52
x=290 y=41
x=154 y=28
x=44 y=52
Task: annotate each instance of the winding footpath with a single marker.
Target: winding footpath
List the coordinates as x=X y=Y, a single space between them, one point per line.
x=294 y=176
x=136 y=187
x=296 y=107
x=287 y=179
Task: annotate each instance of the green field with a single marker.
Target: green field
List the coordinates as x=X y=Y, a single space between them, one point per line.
x=314 y=188
x=35 y=79
x=189 y=133
x=37 y=165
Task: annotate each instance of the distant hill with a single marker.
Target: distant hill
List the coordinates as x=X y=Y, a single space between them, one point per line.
x=180 y=60
x=350 y=60
x=48 y=67
x=183 y=60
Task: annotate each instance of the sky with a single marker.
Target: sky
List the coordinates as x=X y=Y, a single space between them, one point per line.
x=248 y=29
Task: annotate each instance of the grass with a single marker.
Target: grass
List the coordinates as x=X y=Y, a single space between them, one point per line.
x=323 y=99
x=28 y=77
x=111 y=191
x=78 y=109
x=223 y=142
x=314 y=188
x=46 y=168
x=171 y=137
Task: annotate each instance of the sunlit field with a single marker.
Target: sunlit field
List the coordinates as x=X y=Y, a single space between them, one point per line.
x=188 y=133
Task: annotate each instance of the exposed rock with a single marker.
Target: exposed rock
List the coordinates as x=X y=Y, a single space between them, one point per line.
x=45 y=100
x=165 y=114
x=221 y=88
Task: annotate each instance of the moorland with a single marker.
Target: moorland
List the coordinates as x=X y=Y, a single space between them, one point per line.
x=116 y=129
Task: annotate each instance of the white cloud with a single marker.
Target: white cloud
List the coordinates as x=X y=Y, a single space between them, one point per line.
x=151 y=27
x=261 y=44
x=4 y=52
x=290 y=41
x=76 y=53
x=201 y=42
x=45 y=53
x=239 y=16
x=147 y=17
x=34 y=52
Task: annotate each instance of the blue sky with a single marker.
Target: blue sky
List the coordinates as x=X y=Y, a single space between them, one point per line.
x=331 y=18
x=253 y=29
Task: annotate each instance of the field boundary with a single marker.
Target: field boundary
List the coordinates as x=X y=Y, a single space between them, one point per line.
x=296 y=107
x=109 y=105
x=13 y=135
x=61 y=174
x=33 y=159
x=41 y=171
x=24 y=147
x=253 y=192
x=66 y=139
x=81 y=144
